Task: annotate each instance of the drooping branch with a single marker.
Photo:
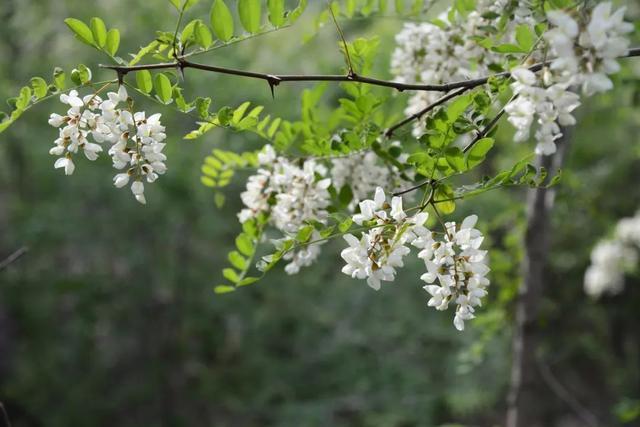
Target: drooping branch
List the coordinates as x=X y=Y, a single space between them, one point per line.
x=274 y=79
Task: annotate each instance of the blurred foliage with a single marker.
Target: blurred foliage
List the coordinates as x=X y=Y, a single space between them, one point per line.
x=111 y=319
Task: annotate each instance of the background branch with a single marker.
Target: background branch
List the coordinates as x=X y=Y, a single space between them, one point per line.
x=13 y=257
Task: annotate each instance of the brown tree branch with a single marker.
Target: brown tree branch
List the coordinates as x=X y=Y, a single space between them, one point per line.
x=275 y=79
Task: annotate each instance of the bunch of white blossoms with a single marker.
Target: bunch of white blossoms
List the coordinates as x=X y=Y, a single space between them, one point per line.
x=135 y=140
x=435 y=54
x=291 y=194
x=456 y=262
x=611 y=258
x=459 y=266
x=579 y=57
x=552 y=106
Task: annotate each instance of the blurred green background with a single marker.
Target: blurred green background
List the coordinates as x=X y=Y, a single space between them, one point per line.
x=110 y=318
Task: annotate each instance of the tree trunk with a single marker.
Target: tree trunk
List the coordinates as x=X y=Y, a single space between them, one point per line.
x=526 y=394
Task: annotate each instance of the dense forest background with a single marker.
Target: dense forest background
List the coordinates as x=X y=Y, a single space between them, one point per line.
x=110 y=318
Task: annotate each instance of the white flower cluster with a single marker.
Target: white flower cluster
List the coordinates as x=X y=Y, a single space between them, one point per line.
x=135 y=140
x=611 y=258
x=434 y=54
x=292 y=194
x=363 y=173
x=552 y=106
x=580 y=57
x=456 y=262
x=459 y=266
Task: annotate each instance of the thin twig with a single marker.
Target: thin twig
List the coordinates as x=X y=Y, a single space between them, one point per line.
x=583 y=412
x=389 y=132
x=5 y=416
x=481 y=134
x=344 y=42
x=13 y=257
x=415 y=187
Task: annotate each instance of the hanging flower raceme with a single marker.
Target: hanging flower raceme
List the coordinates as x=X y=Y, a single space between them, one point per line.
x=292 y=194
x=612 y=258
x=449 y=51
x=458 y=266
x=455 y=262
x=582 y=55
x=136 y=141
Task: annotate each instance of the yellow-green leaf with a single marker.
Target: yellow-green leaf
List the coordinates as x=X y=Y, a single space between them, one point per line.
x=249 y=12
x=81 y=30
x=163 y=88
x=276 y=12
x=144 y=81
x=221 y=20
x=203 y=35
x=99 y=31
x=113 y=41
x=40 y=87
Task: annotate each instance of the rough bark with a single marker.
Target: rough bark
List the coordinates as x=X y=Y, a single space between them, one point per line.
x=527 y=393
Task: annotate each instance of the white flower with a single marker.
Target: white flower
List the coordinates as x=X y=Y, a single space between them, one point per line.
x=121 y=179
x=137 y=188
x=66 y=163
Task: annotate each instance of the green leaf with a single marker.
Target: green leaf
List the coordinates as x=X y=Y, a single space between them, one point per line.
x=231 y=275
x=202 y=107
x=443 y=199
x=455 y=158
x=113 y=41
x=458 y=107
x=508 y=48
x=525 y=37
x=249 y=12
x=81 y=30
x=221 y=20
x=59 y=78
x=225 y=114
x=187 y=31
x=99 y=31
x=248 y=281
x=478 y=152
x=203 y=35
x=304 y=234
x=163 y=88
x=24 y=98
x=175 y=3
x=144 y=81
x=276 y=12
x=244 y=244
x=40 y=87
x=223 y=289
x=399 y=6
x=297 y=12
x=345 y=225
x=237 y=260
